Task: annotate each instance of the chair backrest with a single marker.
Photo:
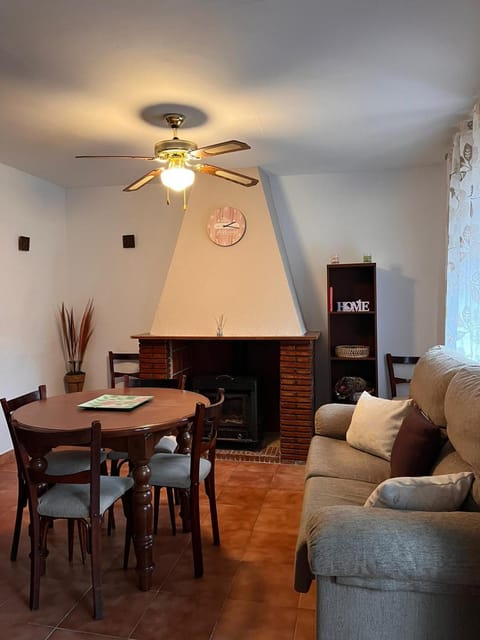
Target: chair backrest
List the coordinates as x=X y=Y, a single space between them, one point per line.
x=11 y=405
x=115 y=361
x=168 y=383
x=34 y=445
x=400 y=374
x=204 y=433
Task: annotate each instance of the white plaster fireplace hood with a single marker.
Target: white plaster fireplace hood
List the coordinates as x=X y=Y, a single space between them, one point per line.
x=249 y=282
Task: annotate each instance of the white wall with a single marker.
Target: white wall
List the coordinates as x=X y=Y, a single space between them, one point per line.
x=125 y=284
x=32 y=285
x=400 y=218
x=245 y=283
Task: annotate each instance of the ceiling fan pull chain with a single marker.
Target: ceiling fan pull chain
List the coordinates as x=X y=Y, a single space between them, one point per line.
x=184 y=199
x=168 y=195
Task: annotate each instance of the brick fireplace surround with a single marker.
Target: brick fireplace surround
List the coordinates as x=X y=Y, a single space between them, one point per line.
x=284 y=366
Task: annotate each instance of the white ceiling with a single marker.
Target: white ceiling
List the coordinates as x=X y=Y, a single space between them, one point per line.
x=311 y=85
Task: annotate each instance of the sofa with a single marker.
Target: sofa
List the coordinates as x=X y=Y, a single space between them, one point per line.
x=388 y=573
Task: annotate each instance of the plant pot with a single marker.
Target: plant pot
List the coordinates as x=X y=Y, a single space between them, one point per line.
x=74 y=382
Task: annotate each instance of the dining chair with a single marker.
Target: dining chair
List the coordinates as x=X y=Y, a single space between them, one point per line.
x=83 y=496
x=185 y=472
x=121 y=363
x=60 y=462
x=399 y=369
x=166 y=444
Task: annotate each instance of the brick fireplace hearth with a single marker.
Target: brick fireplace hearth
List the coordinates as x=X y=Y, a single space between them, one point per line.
x=284 y=367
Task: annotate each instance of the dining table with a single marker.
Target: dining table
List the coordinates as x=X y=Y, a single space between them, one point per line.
x=134 y=430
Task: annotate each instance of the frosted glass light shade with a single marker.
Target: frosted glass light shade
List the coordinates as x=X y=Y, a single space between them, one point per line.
x=177 y=178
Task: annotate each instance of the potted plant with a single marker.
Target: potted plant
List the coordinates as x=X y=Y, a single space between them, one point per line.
x=74 y=344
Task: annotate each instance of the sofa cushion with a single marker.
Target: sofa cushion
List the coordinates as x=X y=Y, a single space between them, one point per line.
x=375 y=424
x=337 y=459
x=430 y=379
x=449 y=461
x=425 y=493
x=416 y=446
x=319 y=493
x=462 y=410
x=333 y=419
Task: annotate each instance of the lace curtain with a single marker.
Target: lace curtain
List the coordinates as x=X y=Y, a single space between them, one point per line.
x=462 y=325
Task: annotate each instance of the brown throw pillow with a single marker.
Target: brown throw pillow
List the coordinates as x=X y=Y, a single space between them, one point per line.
x=416 y=446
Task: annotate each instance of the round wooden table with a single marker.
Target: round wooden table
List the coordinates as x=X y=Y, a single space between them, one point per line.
x=136 y=431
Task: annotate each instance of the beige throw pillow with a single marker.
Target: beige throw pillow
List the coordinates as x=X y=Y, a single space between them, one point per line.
x=375 y=424
x=424 y=493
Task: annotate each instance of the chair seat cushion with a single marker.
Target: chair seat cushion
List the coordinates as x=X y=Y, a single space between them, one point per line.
x=73 y=500
x=67 y=461
x=167 y=444
x=174 y=470
x=117 y=455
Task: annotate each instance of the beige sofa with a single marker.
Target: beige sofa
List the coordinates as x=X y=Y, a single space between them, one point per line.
x=387 y=574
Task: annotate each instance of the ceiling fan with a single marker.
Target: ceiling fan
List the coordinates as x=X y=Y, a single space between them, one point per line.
x=180 y=159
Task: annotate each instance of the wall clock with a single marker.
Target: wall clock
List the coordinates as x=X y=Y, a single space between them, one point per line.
x=226 y=226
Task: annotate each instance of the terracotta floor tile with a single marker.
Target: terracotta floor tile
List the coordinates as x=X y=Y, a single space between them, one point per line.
x=233 y=544
x=291 y=469
x=259 y=468
x=219 y=570
x=275 y=519
x=123 y=605
x=264 y=582
x=223 y=471
x=241 y=496
x=232 y=516
x=305 y=629
x=66 y=634
x=289 y=481
x=263 y=546
x=246 y=591
x=25 y=631
x=244 y=478
x=184 y=617
x=308 y=600
x=242 y=620
x=283 y=498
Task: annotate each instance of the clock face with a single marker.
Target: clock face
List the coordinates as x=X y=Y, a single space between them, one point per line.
x=226 y=226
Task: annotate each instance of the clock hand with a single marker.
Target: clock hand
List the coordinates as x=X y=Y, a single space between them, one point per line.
x=233 y=225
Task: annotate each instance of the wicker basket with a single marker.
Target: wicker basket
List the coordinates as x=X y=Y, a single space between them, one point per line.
x=352 y=351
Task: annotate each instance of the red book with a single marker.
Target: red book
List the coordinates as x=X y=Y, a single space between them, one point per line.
x=330 y=299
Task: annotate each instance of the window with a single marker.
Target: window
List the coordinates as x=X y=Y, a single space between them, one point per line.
x=462 y=324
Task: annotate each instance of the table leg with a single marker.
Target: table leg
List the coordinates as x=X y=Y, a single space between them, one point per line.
x=142 y=524
x=184 y=437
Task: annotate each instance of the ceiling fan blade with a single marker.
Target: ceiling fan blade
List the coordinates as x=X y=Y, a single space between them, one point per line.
x=125 y=157
x=219 y=148
x=141 y=182
x=227 y=174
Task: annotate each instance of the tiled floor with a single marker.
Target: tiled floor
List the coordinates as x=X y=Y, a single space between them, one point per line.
x=245 y=594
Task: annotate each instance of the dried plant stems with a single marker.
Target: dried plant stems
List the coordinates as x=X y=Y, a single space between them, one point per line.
x=74 y=342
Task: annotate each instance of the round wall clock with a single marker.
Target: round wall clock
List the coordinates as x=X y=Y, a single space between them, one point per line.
x=226 y=226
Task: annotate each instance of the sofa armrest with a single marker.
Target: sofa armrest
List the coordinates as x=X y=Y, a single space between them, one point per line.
x=438 y=547
x=333 y=420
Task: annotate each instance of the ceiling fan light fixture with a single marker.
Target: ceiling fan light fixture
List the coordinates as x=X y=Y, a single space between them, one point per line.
x=177 y=177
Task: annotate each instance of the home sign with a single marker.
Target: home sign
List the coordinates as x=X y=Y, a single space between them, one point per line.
x=353 y=305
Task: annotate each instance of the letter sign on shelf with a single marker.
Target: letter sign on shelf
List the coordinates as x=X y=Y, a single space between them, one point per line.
x=353 y=305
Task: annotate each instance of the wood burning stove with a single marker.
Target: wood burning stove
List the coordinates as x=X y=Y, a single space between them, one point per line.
x=239 y=422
